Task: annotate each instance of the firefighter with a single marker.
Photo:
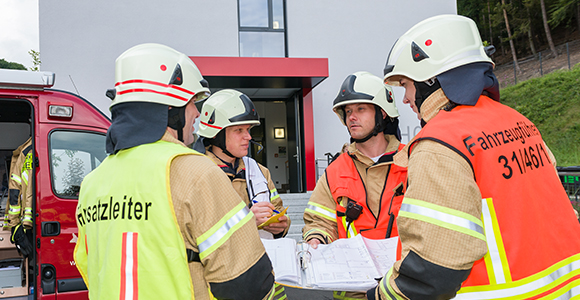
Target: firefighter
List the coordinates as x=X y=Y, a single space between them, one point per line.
x=484 y=215
x=18 y=217
x=226 y=119
x=361 y=191
x=157 y=219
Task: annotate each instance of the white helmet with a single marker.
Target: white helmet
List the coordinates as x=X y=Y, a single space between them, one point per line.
x=158 y=74
x=226 y=108
x=364 y=87
x=433 y=46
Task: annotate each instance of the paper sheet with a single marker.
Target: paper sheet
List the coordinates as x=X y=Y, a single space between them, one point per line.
x=273 y=219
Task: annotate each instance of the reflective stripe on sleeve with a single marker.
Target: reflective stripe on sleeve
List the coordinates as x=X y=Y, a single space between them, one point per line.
x=387 y=289
x=222 y=230
x=442 y=216
x=25 y=177
x=274 y=194
x=14 y=210
x=314 y=230
x=322 y=211
x=16 y=178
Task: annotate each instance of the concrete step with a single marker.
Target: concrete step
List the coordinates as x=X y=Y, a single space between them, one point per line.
x=297 y=203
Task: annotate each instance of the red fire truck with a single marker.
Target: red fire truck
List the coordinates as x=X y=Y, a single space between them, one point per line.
x=68 y=141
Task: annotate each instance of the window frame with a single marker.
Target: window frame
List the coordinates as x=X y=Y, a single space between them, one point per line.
x=270 y=27
x=51 y=165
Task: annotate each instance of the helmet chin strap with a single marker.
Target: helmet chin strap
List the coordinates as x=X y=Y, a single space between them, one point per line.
x=220 y=141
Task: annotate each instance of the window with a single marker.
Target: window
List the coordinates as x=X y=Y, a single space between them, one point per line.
x=73 y=154
x=262 y=28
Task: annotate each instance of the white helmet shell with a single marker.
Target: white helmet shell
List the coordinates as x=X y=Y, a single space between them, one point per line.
x=226 y=108
x=433 y=46
x=158 y=74
x=364 y=87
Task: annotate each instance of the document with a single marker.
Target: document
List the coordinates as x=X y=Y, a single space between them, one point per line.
x=353 y=264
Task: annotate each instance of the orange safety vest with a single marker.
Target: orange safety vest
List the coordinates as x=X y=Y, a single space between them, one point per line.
x=532 y=234
x=345 y=181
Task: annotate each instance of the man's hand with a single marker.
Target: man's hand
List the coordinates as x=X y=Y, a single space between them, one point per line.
x=314 y=243
x=262 y=211
x=277 y=228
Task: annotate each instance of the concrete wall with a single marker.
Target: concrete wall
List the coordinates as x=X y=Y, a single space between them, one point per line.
x=82 y=39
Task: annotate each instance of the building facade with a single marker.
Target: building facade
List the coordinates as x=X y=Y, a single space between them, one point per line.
x=289 y=56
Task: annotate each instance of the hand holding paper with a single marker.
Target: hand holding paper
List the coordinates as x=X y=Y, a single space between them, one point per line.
x=275 y=218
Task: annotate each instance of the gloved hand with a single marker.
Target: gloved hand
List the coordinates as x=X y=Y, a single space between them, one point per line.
x=22 y=242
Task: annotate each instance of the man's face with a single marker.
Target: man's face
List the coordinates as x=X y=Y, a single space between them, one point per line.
x=409 y=98
x=360 y=119
x=238 y=139
x=191 y=113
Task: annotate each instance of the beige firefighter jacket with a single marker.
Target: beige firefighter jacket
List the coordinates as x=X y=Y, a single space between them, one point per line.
x=19 y=205
x=201 y=196
x=431 y=166
x=242 y=189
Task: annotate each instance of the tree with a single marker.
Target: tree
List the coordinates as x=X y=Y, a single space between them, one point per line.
x=11 y=65
x=547 y=29
x=564 y=10
x=35 y=60
x=513 y=48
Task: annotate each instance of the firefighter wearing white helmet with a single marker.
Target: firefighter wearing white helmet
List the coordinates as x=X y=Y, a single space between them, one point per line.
x=224 y=129
x=361 y=191
x=151 y=208
x=454 y=244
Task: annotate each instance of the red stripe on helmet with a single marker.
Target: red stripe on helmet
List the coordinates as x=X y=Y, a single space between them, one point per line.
x=212 y=126
x=155 y=83
x=152 y=91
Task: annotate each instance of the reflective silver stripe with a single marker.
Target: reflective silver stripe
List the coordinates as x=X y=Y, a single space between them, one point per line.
x=441 y=216
x=222 y=231
x=540 y=285
x=16 y=178
x=492 y=247
x=25 y=176
x=321 y=211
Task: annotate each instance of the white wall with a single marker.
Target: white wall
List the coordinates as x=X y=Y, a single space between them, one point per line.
x=355 y=36
x=275 y=114
x=82 y=39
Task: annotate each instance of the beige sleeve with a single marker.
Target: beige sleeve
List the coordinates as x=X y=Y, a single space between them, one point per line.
x=438 y=175
x=320 y=214
x=204 y=199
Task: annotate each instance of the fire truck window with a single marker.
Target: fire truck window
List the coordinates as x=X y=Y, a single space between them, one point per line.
x=73 y=154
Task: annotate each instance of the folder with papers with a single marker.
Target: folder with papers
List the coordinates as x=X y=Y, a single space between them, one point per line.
x=353 y=264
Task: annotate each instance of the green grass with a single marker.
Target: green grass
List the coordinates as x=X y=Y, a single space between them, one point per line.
x=552 y=102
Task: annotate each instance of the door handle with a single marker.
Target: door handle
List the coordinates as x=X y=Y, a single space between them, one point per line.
x=50 y=228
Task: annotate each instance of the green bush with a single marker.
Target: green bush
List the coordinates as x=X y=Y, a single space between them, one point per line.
x=552 y=102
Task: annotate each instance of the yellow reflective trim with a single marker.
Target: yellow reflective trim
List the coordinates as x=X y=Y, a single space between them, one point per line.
x=351 y=232
x=230 y=228
x=444 y=209
x=441 y=224
x=324 y=233
x=385 y=282
x=532 y=281
x=499 y=241
x=274 y=194
x=16 y=178
x=320 y=210
x=489 y=268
